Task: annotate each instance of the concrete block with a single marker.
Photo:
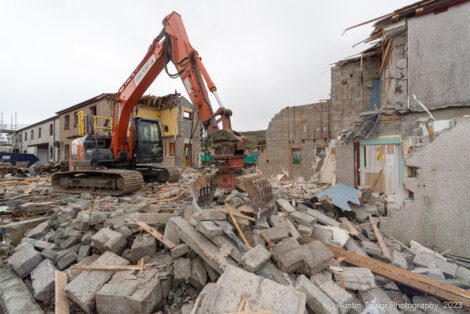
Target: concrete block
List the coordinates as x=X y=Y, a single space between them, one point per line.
x=276 y=234
x=338 y=236
x=43 y=280
x=69 y=243
x=25 y=260
x=317 y=300
x=198 y=243
x=181 y=270
x=307 y=230
x=152 y=219
x=302 y=218
x=144 y=245
x=433 y=273
x=109 y=240
x=39 y=231
x=50 y=254
x=398 y=259
x=15 y=296
x=82 y=289
x=209 y=229
x=356 y=278
x=309 y=258
x=338 y=295
x=84 y=251
x=67 y=260
x=179 y=250
x=236 y=284
x=384 y=300
x=450 y=269
x=66 y=215
x=72 y=273
x=284 y=204
x=97 y=218
x=352 y=246
x=210 y=214
x=128 y=292
x=463 y=274
x=84 y=220
x=39 y=244
x=211 y=273
x=198 y=277
x=285 y=245
x=255 y=258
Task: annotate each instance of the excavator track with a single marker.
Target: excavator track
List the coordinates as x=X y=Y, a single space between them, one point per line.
x=153 y=172
x=113 y=182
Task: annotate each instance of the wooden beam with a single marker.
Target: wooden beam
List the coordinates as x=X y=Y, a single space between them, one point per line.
x=403 y=276
x=237 y=214
x=378 y=235
x=169 y=244
x=61 y=299
x=352 y=230
x=235 y=222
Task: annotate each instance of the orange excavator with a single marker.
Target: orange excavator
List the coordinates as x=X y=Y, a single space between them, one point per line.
x=118 y=164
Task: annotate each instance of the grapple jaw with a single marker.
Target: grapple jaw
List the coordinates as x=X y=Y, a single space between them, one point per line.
x=204 y=190
x=260 y=192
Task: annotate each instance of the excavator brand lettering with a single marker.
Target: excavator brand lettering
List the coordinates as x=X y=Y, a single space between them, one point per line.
x=145 y=68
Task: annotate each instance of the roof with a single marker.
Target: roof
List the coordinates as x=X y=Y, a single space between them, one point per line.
x=37 y=123
x=86 y=102
x=416 y=9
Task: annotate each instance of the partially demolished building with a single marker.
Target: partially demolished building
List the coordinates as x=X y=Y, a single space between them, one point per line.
x=388 y=106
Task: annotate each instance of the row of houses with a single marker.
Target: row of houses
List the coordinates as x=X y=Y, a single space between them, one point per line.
x=50 y=139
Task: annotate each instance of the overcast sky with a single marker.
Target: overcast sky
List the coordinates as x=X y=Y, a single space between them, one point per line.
x=262 y=55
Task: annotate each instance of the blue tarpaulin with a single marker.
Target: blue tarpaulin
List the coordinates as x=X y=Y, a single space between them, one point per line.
x=341 y=195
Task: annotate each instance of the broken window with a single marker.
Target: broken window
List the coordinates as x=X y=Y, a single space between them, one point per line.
x=75 y=119
x=39 y=133
x=187 y=115
x=32 y=135
x=93 y=111
x=296 y=155
x=67 y=122
x=25 y=136
x=51 y=129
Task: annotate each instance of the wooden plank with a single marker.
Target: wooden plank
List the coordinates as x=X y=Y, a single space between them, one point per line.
x=403 y=276
x=61 y=299
x=156 y=234
x=235 y=222
x=352 y=230
x=237 y=214
x=378 y=235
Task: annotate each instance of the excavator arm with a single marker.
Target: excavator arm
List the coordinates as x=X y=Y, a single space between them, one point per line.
x=171 y=45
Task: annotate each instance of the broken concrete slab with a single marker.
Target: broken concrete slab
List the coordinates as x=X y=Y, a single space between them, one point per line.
x=209 y=229
x=179 y=250
x=263 y=294
x=25 y=260
x=181 y=270
x=381 y=296
x=151 y=219
x=309 y=258
x=198 y=243
x=108 y=240
x=209 y=214
x=285 y=205
x=198 y=277
x=43 y=280
x=39 y=231
x=338 y=295
x=82 y=289
x=143 y=245
x=255 y=258
x=128 y=292
x=275 y=234
x=356 y=278
x=14 y=295
x=398 y=259
x=319 y=216
x=338 y=236
x=302 y=218
x=317 y=300
x=67 y=260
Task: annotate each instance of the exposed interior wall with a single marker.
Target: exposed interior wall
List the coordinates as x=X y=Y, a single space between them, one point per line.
x=438 y=57
x=293 y=138
x=344 y=163
x=437 y=214
x=352 y=91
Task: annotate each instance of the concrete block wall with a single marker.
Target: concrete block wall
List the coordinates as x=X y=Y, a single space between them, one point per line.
x=351 y=90
x=395 y=73
x=303 y=128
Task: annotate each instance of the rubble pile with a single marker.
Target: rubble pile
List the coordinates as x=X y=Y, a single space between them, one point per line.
x=155 y=251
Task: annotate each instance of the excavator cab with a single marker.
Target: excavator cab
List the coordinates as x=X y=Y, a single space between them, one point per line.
x=148 y=144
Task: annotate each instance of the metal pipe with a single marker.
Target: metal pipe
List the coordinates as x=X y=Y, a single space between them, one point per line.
x=424 y=107
x=218 y=99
